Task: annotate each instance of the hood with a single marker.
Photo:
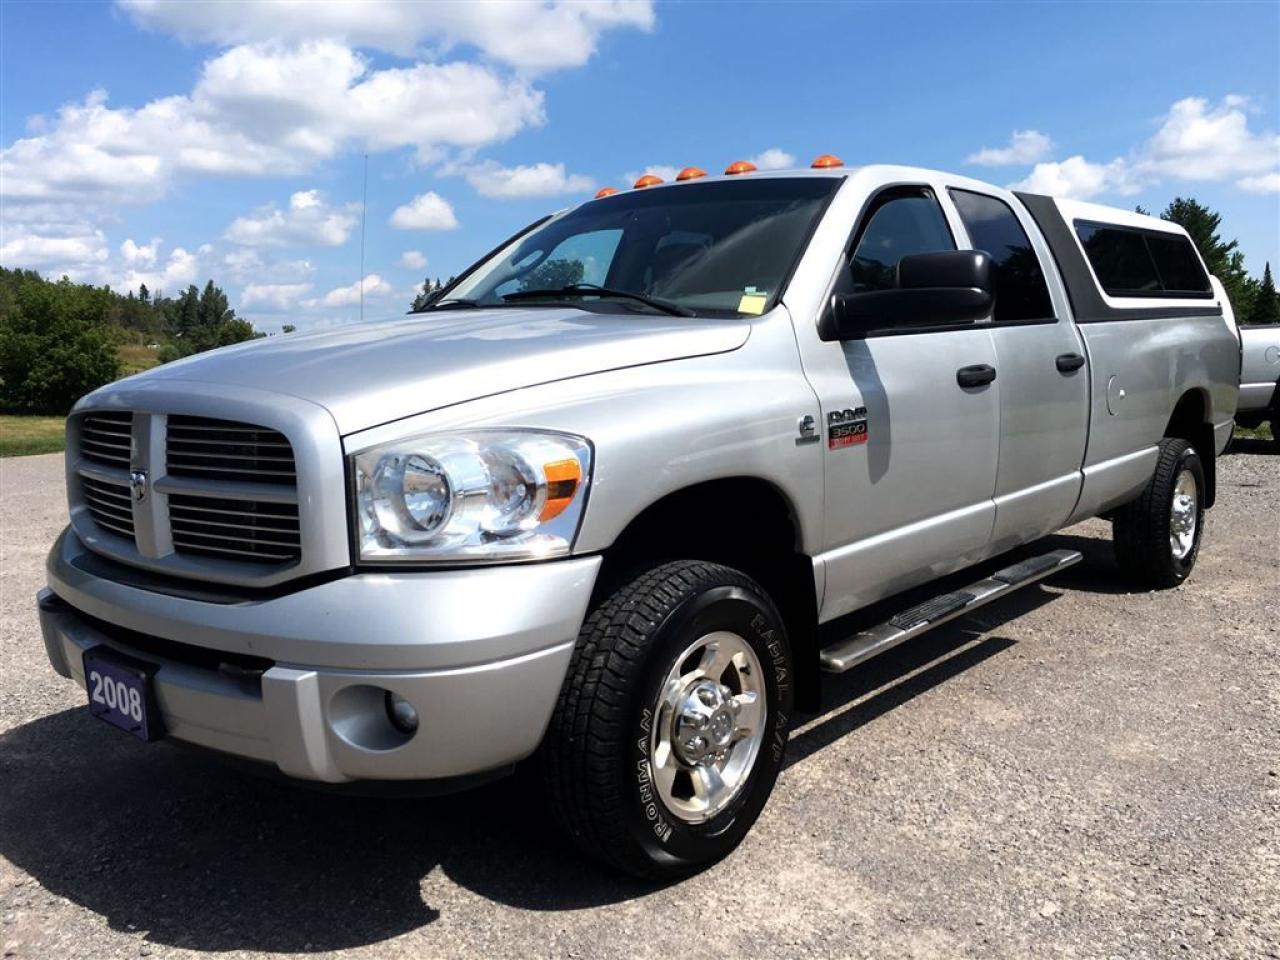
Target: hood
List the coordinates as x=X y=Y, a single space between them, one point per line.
x=373 y=373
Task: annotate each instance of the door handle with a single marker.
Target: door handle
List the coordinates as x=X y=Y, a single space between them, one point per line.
x=1068 y=362
x=978 y=375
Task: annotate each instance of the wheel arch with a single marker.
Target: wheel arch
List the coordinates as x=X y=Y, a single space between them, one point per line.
x=1191 y=420
x=743 y=522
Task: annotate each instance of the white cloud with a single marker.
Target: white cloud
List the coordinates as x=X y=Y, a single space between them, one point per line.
x=274 y=296
x=662 y=170
x=528 y=34
x=78 y=250
x=412 y=260
x=533 y=180
x=140 y=255
x=1199 y=142
x=309 y=219
x=262 y=110
x=1194 y=142
x=374 y=286
x=774 y=159
x=1025 y=146
x=1079 y=179
x=427 y=211
x=1264 y=183
x=180 y=270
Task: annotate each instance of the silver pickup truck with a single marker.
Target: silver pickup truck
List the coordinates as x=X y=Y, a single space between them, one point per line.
x=592 y=507
x=1260 y=378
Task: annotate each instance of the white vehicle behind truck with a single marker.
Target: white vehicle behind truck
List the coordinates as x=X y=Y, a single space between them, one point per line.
x=592 y=507
x=1260 y=378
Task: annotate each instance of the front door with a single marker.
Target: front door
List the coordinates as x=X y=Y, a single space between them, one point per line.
x=910 y=454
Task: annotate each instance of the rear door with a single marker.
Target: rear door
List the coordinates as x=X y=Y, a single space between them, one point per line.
x=1042 y=373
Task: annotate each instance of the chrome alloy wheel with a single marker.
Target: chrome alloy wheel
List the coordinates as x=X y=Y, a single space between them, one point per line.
x=1183 y=516
x=708 y=726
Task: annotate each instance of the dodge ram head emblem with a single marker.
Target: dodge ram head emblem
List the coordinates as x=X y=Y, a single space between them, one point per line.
x=138 y=485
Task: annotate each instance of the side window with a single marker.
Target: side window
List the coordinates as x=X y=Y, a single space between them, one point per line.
x=901 y=223
x=1131 y=262
x=1021 y=291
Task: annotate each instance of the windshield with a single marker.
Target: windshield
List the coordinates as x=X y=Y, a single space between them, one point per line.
x=722 y=248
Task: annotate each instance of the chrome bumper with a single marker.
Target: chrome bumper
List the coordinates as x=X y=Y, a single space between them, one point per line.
x=480 y=654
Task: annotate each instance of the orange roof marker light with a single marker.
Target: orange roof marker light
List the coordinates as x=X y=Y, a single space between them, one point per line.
x=827 y=160
x=691 y=173
x=739 y=166
x=648 y=180
x=605 y=192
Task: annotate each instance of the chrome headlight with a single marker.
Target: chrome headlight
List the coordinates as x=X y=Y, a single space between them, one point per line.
x=482 y=495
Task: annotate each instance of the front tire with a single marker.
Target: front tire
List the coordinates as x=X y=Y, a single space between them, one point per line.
x=671 y=726
x=1157 y=536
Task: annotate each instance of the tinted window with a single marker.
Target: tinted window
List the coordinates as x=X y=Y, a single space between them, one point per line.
x=1176 y=262
x=1021 y=291
x=1131 y=262
x=899 y=225
x=719 y=248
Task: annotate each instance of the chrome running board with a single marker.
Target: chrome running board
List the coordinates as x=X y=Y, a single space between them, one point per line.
x=914 y=621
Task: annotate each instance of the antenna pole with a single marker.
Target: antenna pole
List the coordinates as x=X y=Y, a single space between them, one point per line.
x=364 y=207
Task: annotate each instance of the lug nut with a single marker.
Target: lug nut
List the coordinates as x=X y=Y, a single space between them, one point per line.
x=707 y=697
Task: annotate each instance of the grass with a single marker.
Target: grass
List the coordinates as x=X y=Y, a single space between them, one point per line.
x=1254 y=433
x=21 y=436
x=137 y=357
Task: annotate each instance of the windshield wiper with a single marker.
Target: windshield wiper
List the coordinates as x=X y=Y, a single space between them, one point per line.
x=593 y=290
x=450 y=303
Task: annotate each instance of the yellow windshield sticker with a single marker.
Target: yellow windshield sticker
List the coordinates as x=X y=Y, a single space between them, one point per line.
x=752 y=303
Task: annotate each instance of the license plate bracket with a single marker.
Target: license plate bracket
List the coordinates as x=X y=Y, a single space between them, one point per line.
x=121 y=693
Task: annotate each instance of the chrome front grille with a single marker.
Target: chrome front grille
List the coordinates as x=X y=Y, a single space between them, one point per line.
x=226 y=450
x=195 y=495
x=242 y=529
x=109 y=504
x=107 y=438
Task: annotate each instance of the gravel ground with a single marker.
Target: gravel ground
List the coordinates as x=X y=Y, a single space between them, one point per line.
x=1077 y=771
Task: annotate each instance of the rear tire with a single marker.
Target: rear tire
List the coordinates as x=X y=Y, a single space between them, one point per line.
x=1157 y=536
x=670 y=671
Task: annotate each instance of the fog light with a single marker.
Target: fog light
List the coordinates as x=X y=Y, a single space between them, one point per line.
x=401 y=713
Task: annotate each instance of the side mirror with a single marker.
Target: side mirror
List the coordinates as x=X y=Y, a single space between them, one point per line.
x=934 y=290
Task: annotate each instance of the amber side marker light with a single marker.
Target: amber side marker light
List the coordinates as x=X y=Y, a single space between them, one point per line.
x=739 y=166
x=563 y=477
x=605 y=192
x=648 y=180
x=827 y=160
x=691 y=173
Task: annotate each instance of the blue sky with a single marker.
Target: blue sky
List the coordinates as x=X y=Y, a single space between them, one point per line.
x=169 y=143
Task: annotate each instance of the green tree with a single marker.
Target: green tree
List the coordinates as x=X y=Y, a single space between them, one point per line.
x=213 y=308
x=1266 y=303
x=288 y=328
x=55 y=345
x=1223 y=258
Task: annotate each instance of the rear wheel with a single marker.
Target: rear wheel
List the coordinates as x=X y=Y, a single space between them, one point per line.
x=670 y=730
x=1157 y=536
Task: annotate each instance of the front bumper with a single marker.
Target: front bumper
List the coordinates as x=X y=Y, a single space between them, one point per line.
x=479 y=653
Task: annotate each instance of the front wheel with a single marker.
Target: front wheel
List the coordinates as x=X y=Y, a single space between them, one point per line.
x=671 y=727
x=1157 y=536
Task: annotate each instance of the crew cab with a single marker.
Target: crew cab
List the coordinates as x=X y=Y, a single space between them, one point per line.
x=591 y=507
